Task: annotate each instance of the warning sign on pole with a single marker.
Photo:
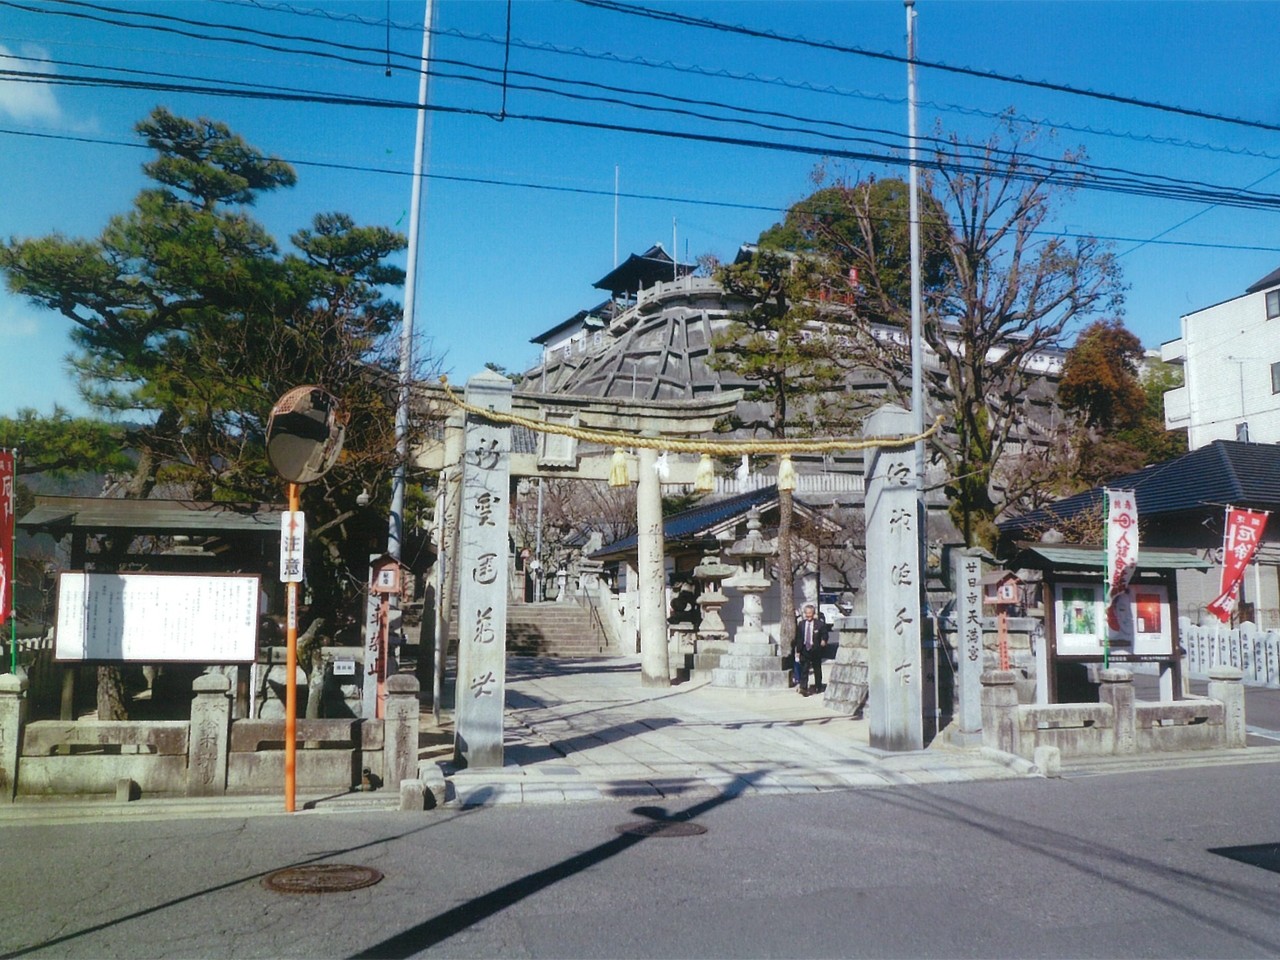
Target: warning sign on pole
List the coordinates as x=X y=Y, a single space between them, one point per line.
x=293 y=529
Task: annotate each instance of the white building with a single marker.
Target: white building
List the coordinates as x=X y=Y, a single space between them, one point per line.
x=1230 y=354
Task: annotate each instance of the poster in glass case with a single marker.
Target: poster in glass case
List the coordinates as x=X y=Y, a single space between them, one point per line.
x=1140 y=625
x=1078 y=610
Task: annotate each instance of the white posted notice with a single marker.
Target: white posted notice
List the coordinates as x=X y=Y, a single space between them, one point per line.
x=151 y=618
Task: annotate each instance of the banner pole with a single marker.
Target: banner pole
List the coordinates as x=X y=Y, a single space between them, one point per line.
x=12 y=573
x=1106 y=579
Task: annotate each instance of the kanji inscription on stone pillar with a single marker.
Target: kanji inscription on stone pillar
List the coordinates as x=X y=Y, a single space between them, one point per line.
x=967 y=579
x=482 y=572
x=894 y=586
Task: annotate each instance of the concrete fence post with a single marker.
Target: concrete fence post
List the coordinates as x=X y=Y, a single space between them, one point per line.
x=210 y=736
x=400 y=731
x=1226 y=684
x=1117 y=690
x=1000 y=711
x=13 y=714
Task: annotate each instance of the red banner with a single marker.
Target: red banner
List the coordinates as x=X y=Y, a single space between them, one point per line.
x=7 y=554
x=1244 y=531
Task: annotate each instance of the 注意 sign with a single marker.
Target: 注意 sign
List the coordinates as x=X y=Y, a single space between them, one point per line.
x=1244 y=532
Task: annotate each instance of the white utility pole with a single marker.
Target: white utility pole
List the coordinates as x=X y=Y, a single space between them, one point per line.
x=917 y=346
x=917 y=336
x=395 y=531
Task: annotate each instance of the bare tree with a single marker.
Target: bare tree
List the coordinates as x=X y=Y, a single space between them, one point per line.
x=1000 y=289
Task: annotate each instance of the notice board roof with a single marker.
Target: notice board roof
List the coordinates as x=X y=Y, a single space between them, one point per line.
x=60 y=515
x=1055 y=556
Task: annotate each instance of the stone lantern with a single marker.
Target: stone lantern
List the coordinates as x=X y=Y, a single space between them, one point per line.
x=752 y=660
x=713 y=638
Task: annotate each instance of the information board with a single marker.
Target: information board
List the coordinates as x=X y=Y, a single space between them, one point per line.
x=153 y=618
x=1142 y=613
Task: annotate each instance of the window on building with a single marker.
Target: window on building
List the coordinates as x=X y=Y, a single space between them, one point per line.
x=1273 y=304
x=1275 y=377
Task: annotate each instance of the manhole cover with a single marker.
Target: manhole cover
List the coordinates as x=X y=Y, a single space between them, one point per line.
x=662 y=828
x=321 y=878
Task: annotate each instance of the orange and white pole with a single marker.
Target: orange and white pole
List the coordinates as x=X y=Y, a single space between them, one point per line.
x=291 y=680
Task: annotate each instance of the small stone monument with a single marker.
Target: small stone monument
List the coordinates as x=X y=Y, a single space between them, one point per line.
x=752 y=659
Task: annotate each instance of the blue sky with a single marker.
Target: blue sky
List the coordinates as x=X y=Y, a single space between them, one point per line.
x=509 y=257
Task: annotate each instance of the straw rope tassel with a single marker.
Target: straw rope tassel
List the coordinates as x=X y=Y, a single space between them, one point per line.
x=786 y=474
x=618 y=469
x=705 y=479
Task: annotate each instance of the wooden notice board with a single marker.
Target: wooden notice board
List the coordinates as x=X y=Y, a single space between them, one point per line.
x=152 y=618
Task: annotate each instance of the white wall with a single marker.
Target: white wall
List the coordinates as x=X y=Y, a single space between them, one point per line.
x=1228 y=350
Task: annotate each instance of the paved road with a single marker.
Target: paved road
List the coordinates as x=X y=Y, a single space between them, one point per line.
x=1114 y=866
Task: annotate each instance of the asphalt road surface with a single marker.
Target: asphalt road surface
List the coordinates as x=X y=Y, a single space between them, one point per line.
x=1122 y=865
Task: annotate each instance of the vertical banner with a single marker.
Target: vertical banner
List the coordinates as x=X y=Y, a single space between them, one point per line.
x=1122 y=548
x=1239 y=544
x=8 y=554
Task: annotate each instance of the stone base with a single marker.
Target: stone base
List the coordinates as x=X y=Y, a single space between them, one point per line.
x=746 y=679
x=847 y=680
x=680 y=647
x=964 y=738
x=752 y=664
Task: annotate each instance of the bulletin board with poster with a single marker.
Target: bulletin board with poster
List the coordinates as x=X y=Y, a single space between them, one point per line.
x=1141 y=625
x=1077 y=631
x=1079 y=617
x=1142 y=616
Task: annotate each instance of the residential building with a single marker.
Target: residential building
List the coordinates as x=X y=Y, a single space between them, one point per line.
x=1230 y=354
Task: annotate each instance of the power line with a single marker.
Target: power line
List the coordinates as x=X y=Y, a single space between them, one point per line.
x=1130 y=184
x=679 y=18
x=1031 y=168
x=368 y=62
x=721 y=73
x=627 y=195
x=669 y=16
x=665 y=198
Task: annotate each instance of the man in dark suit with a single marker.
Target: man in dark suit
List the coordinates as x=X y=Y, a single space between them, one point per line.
x=808 y=646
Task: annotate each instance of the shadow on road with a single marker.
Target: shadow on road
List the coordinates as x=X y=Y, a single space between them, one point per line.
x=445 y=925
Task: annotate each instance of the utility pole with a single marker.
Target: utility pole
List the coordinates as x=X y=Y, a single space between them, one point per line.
x=395 y=531
x=917 y=349
x=917 y=337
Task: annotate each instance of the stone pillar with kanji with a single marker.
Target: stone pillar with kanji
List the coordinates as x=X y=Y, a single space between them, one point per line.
x=482 y=571
x=967 y=577
x=894 y=583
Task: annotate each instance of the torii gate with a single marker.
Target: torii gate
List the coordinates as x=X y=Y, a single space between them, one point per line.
x=477 y=467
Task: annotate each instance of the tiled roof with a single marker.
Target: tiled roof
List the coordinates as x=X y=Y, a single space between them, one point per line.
x=691 y=523
x=1223 y=472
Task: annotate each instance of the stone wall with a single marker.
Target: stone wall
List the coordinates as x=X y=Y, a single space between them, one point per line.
x=1118 y=724
x=210 y=755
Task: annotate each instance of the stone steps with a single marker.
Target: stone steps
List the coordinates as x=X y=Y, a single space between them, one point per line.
x=553 y=630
